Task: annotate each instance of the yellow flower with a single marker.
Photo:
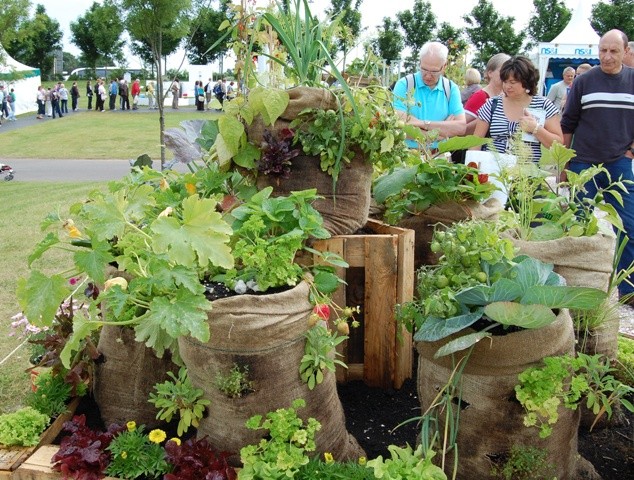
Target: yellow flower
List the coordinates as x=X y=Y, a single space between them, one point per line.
x=74 y=232
x=176 y=440
x=191 y=188
x=157 y=436
x=363 y=460
x=122 y=282
x=124 y=455
x=328 y=458
x=131 y=426
x=163 y=185
x=166 y=213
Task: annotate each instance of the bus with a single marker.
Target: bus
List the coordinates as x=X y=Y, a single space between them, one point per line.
x=102 y=72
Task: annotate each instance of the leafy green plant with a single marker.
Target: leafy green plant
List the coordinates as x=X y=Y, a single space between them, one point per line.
x=236 y=383
x=331 y=470
x=51 y=394
x=406 y=462
x=179 y=397
x=319 y=354
x=567 y=381
x=284 y=450
x=520 y=294
x=624 y=368
x=413 y=189
x=22 y=427
x=525 y=463
x=135 y=454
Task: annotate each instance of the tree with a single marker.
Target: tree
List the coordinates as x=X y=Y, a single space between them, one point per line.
x=491 y=33
x=98 y=33
x=389 y=42
x=418 y=25
x=148 y=21
x=12 y=13
x=70 y=61
x=36 y=40
x=143 y=49
x=453 y=38
x=615 y=14
x=548 y=20
x=349 y=24
x=205 y=34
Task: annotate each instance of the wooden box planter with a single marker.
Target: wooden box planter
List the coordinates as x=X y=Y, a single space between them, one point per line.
x=381 y=275
x=12 y=457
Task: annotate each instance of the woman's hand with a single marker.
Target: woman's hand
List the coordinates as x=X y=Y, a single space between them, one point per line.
x=528 y=123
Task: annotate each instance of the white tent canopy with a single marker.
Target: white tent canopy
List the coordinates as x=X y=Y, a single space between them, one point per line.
x=577 y=41
x=23 y=79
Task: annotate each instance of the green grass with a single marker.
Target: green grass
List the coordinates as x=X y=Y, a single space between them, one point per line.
x=24 y=207
x=95 y=135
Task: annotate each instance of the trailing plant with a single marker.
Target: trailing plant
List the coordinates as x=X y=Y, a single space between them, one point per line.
x=525 y=463
x=196 y=458
x=285 y=448
x=320 y=354
x=51 y=394
x=236 y=383
x=413 y=189
x=522 y=293
x=22 y=427
x=137 y=455
x=179 y=396
x=405 y=462
x=567 y=381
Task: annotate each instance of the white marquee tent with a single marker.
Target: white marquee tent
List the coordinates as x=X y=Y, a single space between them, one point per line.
x=577 y=41
x=23 y=79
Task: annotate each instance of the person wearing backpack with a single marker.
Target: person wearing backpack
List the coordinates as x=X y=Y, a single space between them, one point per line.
x=218 y=91
x=437 y=99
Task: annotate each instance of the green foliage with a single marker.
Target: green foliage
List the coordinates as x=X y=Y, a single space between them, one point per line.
x=624 y=368
x=549 y=19
x=610 y=14
x=236 y=383
x=134 y=455
x=418 y=23
x=12 y=14
x=284 y=450
x=525 y=463
x=348 y=18
x=412 y=190
x=205 y=34
x=389 y=42
x=567 y=381
x=406 y=463
x=179 y=397
x=318 y=469
x=319 y=355
x=51 y=394
x=22 y=427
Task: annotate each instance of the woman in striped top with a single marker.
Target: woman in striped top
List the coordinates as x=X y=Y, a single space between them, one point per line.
x=519 y=109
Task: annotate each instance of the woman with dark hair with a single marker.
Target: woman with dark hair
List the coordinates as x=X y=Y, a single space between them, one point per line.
x=519 y=109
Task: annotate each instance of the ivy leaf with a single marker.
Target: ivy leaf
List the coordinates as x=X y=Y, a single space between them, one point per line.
x=40 y=297
x=202 y=233
x=92 y=261
x=82 y=328
x=48 y=241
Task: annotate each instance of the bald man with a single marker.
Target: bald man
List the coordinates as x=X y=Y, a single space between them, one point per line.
x=598 y=122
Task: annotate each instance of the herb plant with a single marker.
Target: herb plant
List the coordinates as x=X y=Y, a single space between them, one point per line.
x=195 y=459
x=179 y=397
x=525 y=463
x=136 y=455
x=405 y=462
x=284 y=450
x=236 y=383
x=51 y=394
x=567 y=381
x=22 y=427
x=319 y=354
x=331 y=470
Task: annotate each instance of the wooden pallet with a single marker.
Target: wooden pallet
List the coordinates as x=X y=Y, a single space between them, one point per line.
x=12 y=457
x=380 y=276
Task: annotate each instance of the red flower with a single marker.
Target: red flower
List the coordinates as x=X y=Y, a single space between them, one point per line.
x=322 y=311
x=483 y=178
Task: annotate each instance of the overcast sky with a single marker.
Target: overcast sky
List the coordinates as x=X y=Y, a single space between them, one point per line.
x=66 y=11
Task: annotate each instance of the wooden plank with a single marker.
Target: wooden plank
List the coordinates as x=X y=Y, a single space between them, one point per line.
x=51 y=433
x=380 y=299
x=12 y=457
x=404 y=293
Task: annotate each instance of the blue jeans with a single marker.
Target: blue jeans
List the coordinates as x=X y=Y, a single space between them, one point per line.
x=621 y=169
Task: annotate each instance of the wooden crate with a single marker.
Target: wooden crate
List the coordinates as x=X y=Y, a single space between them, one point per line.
x=12 y=457
x=382 y=262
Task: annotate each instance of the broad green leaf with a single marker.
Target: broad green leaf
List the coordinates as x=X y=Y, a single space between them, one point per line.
x=531 y=272
x=146 y=331
x=178 y=275
x=578 y=298
x=387 y=143
x=461 y=343
x=547 y=231
x=48 y=241
x=461 y=143
x=115 y=300
x=326 y=282
x=525 y=316
x=505 y=290
x=82 y=328
x=40 y=297
x=478 y=295
x=612 y=215
x=231 y=131
x=247 y=156
x=434 y=329
x=270 y=103
x=94 y=260
x=182 y=314
x=393 y=183
x=107 y=216
x=50 y=219
x=208 y=134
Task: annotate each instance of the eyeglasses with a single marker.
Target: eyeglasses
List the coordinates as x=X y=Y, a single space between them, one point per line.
x=433 y=73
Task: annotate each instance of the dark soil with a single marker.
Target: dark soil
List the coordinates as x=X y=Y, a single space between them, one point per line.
x=372 y=415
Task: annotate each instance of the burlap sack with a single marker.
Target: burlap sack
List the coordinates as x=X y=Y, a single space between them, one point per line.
x=265 y=333
x=345 y=206
x=445 y=214
x=491 y=418
x=126 y=377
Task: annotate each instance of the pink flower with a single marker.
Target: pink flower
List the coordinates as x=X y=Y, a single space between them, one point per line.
x=73 y=281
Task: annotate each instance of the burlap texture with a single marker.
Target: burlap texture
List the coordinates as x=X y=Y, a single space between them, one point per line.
x=124 y=380
x=265 y=333
x=492 y=421
x=445 y=214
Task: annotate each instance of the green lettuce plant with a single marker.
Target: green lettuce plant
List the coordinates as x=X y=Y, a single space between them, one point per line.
x=22 y=427
x=405 y=462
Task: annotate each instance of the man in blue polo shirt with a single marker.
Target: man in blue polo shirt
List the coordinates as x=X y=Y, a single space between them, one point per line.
x=437 y=104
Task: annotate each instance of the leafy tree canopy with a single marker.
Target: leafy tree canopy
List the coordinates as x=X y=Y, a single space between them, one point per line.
x=453 y=38
x=12 y=13
x=549 y=18
x=205 y=34
x=613 y=14
x=349 y=23
x=389 y=42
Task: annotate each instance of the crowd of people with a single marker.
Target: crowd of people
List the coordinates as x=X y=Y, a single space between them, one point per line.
x=7 y=103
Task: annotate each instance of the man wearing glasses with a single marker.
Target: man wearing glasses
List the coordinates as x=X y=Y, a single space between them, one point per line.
x=429 y=101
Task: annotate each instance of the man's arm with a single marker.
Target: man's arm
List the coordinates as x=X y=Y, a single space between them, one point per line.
x=454 y=125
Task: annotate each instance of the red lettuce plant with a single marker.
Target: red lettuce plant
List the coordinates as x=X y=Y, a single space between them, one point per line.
x=277 y=154
x=82 y=454
x=197 y=459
